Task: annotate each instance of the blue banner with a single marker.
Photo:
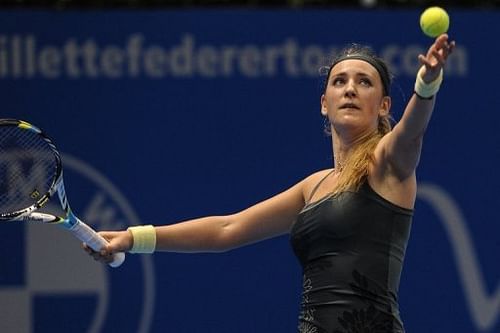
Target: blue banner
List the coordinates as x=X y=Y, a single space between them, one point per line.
x=169 y=115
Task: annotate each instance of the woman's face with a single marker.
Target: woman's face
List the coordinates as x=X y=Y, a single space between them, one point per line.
x=353 y=99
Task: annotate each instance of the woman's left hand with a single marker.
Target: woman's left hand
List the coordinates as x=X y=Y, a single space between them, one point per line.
x=436 y=57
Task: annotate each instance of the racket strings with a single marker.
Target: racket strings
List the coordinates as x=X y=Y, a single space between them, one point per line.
x=28 y=167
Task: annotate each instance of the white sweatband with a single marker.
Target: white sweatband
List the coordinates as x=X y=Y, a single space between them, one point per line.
x=144 y=239
x=427 y=90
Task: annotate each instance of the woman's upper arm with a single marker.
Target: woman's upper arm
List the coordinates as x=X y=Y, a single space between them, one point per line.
x=400 y=149
x=266 y=219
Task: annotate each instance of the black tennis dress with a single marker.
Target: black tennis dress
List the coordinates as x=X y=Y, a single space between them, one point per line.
x=351 y=247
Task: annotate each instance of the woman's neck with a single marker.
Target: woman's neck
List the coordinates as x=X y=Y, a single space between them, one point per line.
x=343 y=144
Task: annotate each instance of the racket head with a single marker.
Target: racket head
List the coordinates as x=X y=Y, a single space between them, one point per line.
x=30 y=168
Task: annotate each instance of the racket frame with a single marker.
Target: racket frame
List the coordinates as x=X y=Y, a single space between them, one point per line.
x=22 y=213
x=72 y=223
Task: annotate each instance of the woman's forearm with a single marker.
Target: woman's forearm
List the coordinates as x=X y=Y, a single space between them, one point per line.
x=207 y=234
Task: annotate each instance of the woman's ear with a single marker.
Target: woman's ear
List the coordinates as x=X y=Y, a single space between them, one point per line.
x=385 y=106
x=324 y=111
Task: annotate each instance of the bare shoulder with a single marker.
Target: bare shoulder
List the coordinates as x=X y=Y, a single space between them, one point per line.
x=318 y=175
x=312 y=180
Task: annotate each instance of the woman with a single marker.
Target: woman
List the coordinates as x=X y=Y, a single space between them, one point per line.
x=349 y=225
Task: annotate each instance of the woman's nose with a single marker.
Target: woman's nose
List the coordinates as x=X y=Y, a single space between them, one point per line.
x=350 y=89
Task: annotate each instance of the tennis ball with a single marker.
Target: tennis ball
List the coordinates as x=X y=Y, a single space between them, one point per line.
x=434 y=21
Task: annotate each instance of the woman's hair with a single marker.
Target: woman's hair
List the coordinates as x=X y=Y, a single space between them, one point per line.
x=354 y=168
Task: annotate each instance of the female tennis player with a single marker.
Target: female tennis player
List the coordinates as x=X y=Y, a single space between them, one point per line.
x=348 y=225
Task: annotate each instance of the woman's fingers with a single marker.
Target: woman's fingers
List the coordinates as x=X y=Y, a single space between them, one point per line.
x=118 y=241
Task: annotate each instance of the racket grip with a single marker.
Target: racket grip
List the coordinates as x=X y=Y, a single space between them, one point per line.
x=95 y=241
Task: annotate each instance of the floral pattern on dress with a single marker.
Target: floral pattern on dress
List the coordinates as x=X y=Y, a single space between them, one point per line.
x=368 y=319
x=366 y=289
x=306 y=316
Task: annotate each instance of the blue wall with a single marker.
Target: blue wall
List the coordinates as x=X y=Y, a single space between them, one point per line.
x=166 y=116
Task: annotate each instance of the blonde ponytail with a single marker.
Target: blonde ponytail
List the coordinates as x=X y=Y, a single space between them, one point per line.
x=354 y=170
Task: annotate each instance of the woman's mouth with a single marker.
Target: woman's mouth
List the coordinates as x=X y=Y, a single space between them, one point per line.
x=349 y=106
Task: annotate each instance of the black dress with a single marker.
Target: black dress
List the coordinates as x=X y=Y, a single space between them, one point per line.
x=351 y=247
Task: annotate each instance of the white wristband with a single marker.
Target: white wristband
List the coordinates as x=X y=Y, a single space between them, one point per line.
x=426 y=90
x=144 y=239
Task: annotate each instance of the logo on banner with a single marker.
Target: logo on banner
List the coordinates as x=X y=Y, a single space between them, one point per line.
x=63 y=289
x=484 y=307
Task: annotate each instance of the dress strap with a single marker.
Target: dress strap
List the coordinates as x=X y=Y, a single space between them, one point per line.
x=317 y=186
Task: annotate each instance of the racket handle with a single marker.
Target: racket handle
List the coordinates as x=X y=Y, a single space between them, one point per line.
x=95 y=241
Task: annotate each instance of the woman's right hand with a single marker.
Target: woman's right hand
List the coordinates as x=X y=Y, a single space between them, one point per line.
x=119 y=241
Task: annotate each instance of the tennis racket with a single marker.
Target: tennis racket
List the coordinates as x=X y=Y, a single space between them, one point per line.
x=31 y=173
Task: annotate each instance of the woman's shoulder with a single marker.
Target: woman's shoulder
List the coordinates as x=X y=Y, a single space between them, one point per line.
x=316 y=177
x=320 y=173
x=311 y=183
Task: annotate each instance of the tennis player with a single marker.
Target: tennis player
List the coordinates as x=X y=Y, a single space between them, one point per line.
x=348 y=225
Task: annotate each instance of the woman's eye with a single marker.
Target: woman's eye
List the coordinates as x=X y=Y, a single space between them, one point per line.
x=365 y=82
x=337 y=81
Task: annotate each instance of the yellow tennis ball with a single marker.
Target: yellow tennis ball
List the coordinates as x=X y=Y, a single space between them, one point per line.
x=434 y=21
